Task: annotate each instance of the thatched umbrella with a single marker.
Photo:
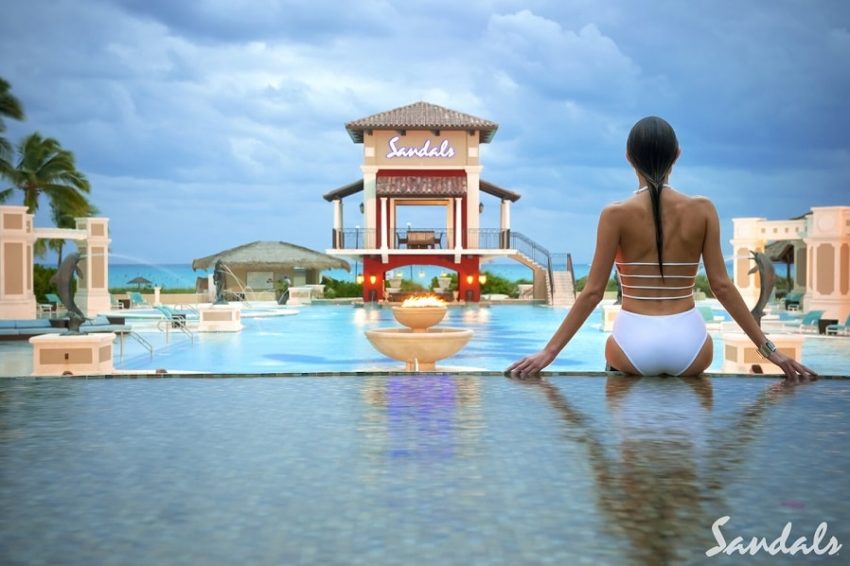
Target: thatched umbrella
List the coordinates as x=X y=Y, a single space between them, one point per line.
x=139 y=281
x=271 y=256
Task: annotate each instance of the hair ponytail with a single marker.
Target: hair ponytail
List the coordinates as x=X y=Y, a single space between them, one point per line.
x=655 y=188
x=652 y=149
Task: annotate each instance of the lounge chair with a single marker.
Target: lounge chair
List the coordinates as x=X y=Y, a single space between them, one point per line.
x=793 y=299
x=809 y=322
x=136 y=299
x=54 y=299
x=712 y=321
x=115 y=303
x=177 y=320
x=839 y=329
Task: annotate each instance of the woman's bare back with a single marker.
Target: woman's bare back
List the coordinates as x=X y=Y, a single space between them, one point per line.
x=684 y=223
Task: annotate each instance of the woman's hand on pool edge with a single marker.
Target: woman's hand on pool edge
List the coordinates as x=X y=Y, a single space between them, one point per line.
x=530 y=365
x=795 y=372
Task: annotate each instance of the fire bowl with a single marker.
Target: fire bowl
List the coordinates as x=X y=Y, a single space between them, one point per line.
x=419 y=350
x=419 y=319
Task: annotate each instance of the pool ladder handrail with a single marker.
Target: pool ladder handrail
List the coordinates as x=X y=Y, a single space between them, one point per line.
x=172 y=323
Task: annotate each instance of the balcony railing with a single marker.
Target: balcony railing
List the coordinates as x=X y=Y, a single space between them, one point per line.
x=444 y=238
x=437 y=238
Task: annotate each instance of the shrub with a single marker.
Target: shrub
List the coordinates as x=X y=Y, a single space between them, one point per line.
x=41 y=282
x=340 y=289
x=498 y=285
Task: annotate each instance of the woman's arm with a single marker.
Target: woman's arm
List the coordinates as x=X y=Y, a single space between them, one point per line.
x=607 y=241
x=731 y=299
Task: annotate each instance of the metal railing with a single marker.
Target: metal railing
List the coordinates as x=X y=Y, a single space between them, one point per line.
x=444 y=238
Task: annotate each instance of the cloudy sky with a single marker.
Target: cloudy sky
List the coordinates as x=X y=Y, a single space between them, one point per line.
x=206 y=124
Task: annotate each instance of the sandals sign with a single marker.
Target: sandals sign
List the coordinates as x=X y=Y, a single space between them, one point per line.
x=444 y=150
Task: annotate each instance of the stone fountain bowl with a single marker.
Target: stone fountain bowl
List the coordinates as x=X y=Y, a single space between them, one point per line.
x=419 y=318
x=419 y=350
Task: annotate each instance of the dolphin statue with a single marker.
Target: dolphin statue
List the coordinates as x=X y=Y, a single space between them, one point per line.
x=768 y=280
x=62 y=279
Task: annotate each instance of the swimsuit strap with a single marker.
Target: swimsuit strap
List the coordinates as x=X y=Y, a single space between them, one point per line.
x=653 y=287
x=670 y=263
x=645 y=188
x=658 y=276
x=657 y=298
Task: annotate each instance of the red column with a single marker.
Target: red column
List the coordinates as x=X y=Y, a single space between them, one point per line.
x=373 y=279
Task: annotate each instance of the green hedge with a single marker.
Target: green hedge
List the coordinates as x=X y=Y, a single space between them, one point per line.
x=340 y=289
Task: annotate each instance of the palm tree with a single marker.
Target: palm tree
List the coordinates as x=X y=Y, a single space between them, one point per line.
x=45 y=167
x=10 y=107
x=63 y=216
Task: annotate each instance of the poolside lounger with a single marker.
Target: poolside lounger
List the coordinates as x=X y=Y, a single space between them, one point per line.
x=136 y=299
x=115 y=303
x=839 y=329
x=176 y=319
x=793 y=299
x=54 y=299
x=808 y=323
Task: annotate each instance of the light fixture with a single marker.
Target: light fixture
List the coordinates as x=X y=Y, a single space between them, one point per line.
x=421 y=275
x=372 y=279
x=482 y=279
x=480 y=208
x=469 y=279
x=359 y=279
x=362 y=208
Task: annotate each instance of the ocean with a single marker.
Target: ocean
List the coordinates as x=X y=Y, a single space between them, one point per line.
x=181 y=276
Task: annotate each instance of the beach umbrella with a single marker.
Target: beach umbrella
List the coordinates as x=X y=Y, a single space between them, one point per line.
x=139 y=281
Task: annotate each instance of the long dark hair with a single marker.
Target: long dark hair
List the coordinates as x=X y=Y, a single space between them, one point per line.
x=652 y=148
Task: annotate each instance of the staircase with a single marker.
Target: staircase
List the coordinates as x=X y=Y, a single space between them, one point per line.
x=560 y=285
x=563 y=293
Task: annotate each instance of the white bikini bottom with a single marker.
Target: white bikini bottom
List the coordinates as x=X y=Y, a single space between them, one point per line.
x=663 y=344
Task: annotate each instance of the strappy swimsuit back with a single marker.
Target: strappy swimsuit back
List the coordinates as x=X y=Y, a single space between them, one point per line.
x=659 y=344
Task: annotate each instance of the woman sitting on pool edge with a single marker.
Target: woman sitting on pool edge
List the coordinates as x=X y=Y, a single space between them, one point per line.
x=656 y=239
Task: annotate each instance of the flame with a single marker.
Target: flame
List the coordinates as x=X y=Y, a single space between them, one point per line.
x=424 y=301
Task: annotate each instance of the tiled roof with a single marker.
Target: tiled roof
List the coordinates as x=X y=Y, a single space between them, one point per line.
x=422 y=115
x=421 y=186
x=486 y=187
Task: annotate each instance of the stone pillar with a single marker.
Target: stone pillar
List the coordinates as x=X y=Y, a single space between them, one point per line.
x=473 y=177
x=17 y=300
x=828 y=251
x=370 y=182
x=93 y=288
x=747 y=238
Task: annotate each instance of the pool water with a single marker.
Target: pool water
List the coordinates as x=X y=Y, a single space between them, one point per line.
x=428 y=469
x=332 y=338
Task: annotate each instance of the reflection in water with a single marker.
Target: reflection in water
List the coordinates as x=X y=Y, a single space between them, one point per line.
x=660 y=470
x=424 y=417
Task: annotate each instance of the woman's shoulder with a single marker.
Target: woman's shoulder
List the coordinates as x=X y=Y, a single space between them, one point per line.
x=696 y=201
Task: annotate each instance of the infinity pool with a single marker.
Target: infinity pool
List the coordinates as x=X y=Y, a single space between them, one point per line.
x=427 y=469
x=331 y=338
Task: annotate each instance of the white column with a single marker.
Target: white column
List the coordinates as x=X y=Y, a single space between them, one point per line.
x=385 y=224
x=17 y=300
x=473 y=177
x=370 y=176
x=337 y=206
x=458 y=224
x=505 y=217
